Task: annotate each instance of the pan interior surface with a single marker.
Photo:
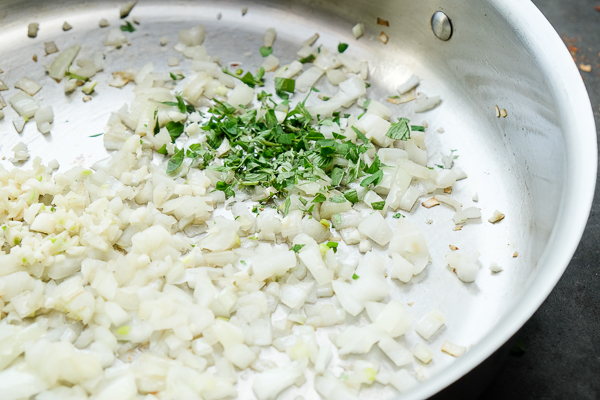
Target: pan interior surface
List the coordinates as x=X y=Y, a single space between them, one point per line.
x=517 y=165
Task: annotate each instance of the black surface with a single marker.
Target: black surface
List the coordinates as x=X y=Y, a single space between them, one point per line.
x=562 y=339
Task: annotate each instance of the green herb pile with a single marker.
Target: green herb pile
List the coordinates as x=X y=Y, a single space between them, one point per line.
x=269 y=153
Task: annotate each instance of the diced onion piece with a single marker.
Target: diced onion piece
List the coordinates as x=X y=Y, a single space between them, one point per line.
x=432 y=202
x=267 y=385
x=88 y=87
x=453 y=349
x=494 y=267
x=462 y=216
x=466 y=266
x=44 y=118
x=358 y=30
x=311 y=40
x=3 y=85
x=270 y=36
x=335 y=76
x=24 y=104
x=2 y=102
x=270 y=63
x=308 y=78
x=425 y=103
x=422 y=353
x=449 y=201
x=496 y=217
x=288 y=71
x=430 y=324
x=409 y=84
x=32 y=29
x=193 y=36
x=19 y=124
x=116 y=38
x=403 y=381
x=61 y=63
x=376 y=228
x=21 y=153
x=50 y=47
x=395 y=351
x=28 y=86
x=126 y=8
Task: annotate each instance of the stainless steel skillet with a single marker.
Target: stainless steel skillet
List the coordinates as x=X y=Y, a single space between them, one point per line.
x=537 y=165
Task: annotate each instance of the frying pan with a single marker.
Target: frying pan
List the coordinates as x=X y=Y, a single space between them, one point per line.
x=537 y=165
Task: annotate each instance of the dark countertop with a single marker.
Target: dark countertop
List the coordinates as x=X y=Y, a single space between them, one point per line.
x=562 y=339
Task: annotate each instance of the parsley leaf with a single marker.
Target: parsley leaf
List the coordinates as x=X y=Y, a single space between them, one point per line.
x=128 y=27
x=355 y=277
x=163 y=150
x=418 y=128
x=298 y=247
x=175 y=129
x=378 y=205
x=374 y=179
x=224 y=187
x=399 y=130
x=265 y=51
x=361 y=135
x=286 y=208
x=175 y=161
x=337 y=199
x=398 y=215
x=307 y=59
x=333 y=245
x=283 y=85
x=336 y=176
x=342 y=47
x=319 y=198
x=351 y=196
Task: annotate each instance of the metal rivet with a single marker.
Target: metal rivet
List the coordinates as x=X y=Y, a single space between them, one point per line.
x=441 y=26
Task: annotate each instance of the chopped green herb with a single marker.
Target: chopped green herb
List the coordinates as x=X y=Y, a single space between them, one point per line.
x=303 y=200
x=398 y=215
x=224 y=187
x=399 y=130
x=265 y=51
x=336 y=176
x=128 y=27
x=378 y=205
x=319 y=198
x=374 y=179
x=175 y=129
x=286 y=208
x=284 y=86
x=439 y=166
x=298 y=247
x=71 y=75
x=338 y=199
x=351 y=196
x=342 y=47
x=175 y=161
x=394 y=97
x=418 y=128
x=355 y=277
x=163 y=150
x=248 y=78
x=307 y=59
x=366 y=104
x=361 y=135
x=98 y=134
x=333 y=245
x=337 y=218
x=243 y=262
x=176 y=77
